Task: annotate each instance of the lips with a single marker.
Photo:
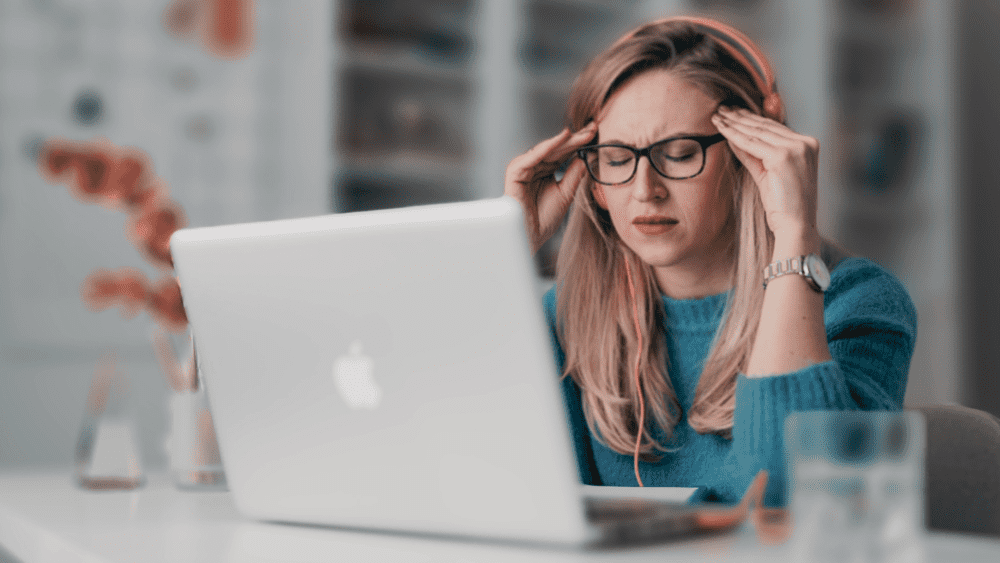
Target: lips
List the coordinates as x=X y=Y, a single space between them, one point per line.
x=653 y=224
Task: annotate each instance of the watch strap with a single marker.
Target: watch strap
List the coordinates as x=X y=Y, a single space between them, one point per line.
x=793 y=265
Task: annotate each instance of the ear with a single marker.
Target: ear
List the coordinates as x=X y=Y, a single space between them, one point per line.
x=598 y=193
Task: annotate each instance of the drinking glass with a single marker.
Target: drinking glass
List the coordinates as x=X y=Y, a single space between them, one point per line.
x=857 y=486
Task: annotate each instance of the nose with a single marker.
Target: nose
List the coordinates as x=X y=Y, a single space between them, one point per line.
x=648 y=185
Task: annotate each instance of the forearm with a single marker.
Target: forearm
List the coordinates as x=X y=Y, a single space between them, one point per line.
x=872 y=327
x=791 y=334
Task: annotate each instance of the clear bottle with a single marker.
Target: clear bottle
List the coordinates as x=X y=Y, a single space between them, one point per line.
x=195 y=462
x=107 y=456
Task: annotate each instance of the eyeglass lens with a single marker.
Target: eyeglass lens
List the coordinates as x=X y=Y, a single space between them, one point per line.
x=676 y=159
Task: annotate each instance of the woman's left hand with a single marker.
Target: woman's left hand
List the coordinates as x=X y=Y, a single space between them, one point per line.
x=783 y=163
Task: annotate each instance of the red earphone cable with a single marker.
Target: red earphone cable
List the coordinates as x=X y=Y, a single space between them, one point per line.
x=638 y=357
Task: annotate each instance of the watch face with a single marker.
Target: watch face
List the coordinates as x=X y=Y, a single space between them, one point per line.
x=818 y=271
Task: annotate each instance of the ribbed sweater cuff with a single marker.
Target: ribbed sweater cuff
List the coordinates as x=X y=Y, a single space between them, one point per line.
x=817 y=387
x=761 y=406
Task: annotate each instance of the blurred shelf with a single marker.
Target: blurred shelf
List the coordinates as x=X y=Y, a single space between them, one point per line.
x=602 y=7
x=361 y=191
x=403 y=63
x=440 y=29
x=884 y=13
x=552 y=84
x=431 y=95
x=563 y=35
x=547 y=110
x=387 y=114
x=421 y=167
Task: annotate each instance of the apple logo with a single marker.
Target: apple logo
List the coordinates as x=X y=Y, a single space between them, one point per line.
x=355 y=379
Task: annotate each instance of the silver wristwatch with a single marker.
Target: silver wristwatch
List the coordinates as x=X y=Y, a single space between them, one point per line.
x=810 y=267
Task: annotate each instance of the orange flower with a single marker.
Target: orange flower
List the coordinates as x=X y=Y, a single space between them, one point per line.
x=131 y=186
x=55 y=161
x=127 y=287
x=225 y=28
x=165 y=305
x=100 y=172
x=93 y=170
x=151 y=229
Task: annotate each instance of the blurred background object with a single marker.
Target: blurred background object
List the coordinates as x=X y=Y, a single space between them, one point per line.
x=234 y=139
x=106 y=453
x=434 y=97
x=855 y=486
x=225 y=28
x=368 y=104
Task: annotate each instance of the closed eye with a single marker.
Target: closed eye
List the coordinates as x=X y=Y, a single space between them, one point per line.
x=680 y=157
x=677 y=150
x=621 y=162
x=616 y=157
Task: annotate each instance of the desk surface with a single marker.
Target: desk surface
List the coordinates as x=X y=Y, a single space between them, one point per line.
x=44 y=517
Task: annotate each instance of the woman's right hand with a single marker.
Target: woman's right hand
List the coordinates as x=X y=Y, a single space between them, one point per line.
x=531 y=181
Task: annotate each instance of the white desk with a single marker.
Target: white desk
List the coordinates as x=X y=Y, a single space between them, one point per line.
x=45 y=518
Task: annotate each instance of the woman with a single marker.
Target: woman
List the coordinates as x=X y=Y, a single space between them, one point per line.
x=695 y=300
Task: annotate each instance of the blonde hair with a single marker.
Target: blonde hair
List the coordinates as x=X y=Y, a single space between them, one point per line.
x=594 y=310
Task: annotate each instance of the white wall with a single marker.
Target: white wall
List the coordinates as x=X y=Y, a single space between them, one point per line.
x=266 y=154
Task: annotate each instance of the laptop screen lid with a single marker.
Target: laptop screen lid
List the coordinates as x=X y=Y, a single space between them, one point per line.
x=387 y=369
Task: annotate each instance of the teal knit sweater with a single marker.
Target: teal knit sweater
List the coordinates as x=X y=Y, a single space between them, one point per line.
x=871 y=327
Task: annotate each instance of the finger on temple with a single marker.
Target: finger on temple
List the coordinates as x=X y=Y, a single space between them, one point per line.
x=766 y=123
x=747 y=114
x=543 y=147
x=753 y=122
x=550 y=153
x=752 y=145
x=764 y=135
x=569 y=145
x=573 y=178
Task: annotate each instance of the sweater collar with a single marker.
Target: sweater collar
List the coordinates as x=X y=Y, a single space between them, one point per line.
x=694 y=314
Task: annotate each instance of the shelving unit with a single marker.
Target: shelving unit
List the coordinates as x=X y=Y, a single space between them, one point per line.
x=894 y=134
x=434 y=97
x=410 y=87
x=883 y=126
x=402 y=102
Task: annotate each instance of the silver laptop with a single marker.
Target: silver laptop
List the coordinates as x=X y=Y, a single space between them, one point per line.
x=392 y=370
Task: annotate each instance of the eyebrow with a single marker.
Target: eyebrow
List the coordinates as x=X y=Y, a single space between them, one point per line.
x=674 y=136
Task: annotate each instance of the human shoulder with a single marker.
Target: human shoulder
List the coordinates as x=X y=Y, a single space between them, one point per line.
x=859 y=287
x=856 y=274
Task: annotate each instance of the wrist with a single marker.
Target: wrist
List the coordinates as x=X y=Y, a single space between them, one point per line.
x=790 y=223
x=796 y=240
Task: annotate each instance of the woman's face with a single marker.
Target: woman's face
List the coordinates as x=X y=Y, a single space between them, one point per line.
x=676 y=226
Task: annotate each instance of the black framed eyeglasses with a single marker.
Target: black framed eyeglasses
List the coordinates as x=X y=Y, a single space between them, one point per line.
x=676 y=158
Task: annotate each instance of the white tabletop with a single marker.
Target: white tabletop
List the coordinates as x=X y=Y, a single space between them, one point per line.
x=44 y=517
